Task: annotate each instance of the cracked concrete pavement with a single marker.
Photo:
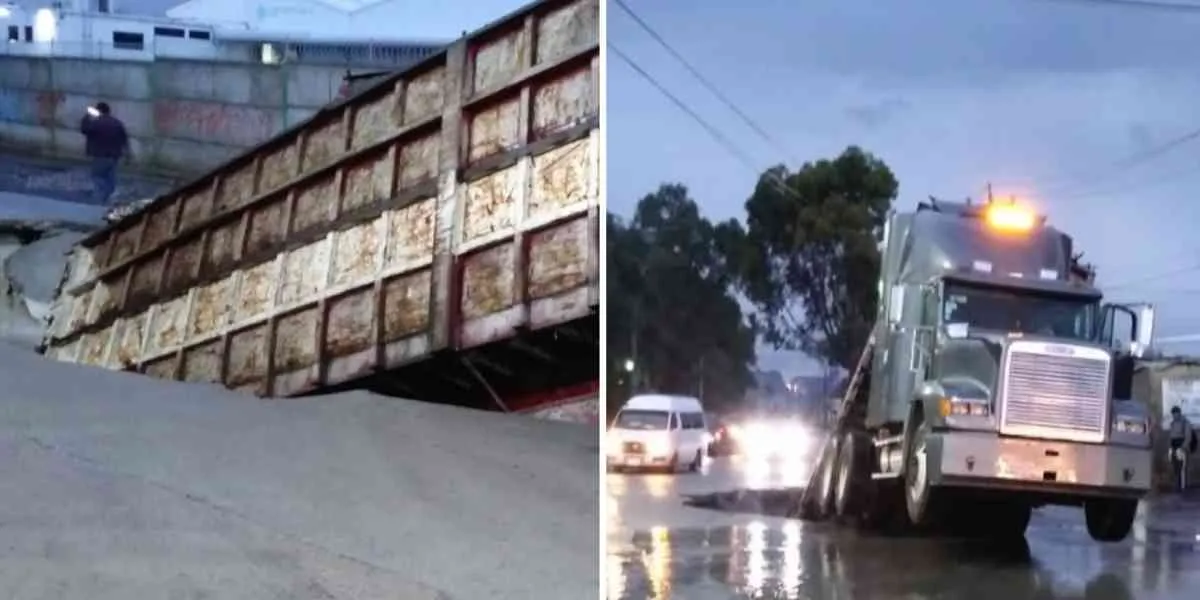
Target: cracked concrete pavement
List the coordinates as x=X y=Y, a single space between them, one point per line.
x=120 y=486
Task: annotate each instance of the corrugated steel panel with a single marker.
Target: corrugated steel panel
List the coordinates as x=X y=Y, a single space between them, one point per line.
x=445 y=207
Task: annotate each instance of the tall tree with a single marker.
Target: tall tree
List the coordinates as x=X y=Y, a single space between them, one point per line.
x=808 y=256
x=671 y=313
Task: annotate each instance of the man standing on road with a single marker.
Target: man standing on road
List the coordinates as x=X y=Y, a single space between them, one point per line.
x=1183 y=442
x=107 y=143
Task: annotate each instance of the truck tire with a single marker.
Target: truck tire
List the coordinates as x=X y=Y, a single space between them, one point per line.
x=853 y=476
x=827 y=482
x=1109 y=519
x=921 y=499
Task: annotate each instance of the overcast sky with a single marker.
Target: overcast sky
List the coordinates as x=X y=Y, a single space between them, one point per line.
x=1045 y=98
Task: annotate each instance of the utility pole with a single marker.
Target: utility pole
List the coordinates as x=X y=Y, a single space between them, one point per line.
x=989 y=192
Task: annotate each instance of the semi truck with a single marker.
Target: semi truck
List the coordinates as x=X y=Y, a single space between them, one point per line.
x=435 y=235
x=994 y=381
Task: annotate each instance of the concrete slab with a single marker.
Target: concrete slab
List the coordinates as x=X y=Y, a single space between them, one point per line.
x=160 y=489
x=17 y=207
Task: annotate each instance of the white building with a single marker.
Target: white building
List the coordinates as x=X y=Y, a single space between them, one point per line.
x=383 y=33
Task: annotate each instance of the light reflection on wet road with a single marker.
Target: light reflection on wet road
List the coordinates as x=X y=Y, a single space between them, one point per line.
x=658 y=548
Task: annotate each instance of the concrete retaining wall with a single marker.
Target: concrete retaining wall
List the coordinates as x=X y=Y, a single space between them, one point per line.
x=184 y=116
x=1148 y=383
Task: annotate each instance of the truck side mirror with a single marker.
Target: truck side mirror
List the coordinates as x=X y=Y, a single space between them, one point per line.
x=1122 y=329
x=1144 y=335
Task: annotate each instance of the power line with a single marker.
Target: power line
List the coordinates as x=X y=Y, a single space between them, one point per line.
x=711 y=129
x=716 y=134
x=1144 y=4
x=1136 y=159
x=1154 y=277
x=1123 y=164
x=1126 y=163
x=708 y=84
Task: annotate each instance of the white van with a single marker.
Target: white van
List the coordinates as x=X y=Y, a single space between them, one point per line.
x=658 y=431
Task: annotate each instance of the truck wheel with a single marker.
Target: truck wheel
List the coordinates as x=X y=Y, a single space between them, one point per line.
x=920 y=497
x=827 y=490
x=1109 y=520
x=853 y=476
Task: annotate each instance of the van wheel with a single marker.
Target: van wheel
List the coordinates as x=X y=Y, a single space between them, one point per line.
x=697 y=462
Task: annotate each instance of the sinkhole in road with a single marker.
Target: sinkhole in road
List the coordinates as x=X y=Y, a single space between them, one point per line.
x=779 y=502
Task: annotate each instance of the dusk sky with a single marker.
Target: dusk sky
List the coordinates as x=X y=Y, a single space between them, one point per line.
x=1048 y=99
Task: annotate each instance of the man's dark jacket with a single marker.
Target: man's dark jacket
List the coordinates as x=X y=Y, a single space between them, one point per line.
x=106 y=136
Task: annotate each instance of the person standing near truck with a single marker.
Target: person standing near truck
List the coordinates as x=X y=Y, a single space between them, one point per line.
x=1182 y=439
x=106 y=143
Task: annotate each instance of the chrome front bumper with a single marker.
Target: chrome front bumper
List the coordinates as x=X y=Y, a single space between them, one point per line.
x=987 y=460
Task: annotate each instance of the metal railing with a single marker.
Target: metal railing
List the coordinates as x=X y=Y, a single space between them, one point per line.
x=369 y=54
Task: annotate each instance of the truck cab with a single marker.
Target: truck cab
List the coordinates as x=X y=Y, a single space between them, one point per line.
x=995 y=376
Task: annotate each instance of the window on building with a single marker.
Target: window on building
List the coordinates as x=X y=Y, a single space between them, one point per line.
x=197 y=34
x=174 y=32
x=126 y=40
x=103 y=6
x=29 y=33
x=14 y=33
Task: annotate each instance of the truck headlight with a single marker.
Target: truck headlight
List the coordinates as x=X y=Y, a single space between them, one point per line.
x=1129 y=425
x=954 y=406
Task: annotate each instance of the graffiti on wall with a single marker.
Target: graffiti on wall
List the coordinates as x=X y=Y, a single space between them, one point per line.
x=10 y=105
x=18 y=106
x=1181 y=392
x=46 y=106
x=213 y=122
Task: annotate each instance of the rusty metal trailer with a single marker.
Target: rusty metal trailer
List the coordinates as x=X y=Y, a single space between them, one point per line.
x=448 y=213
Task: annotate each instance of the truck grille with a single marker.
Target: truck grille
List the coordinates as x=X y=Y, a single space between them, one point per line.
x=1056 y=391
x=634 y=448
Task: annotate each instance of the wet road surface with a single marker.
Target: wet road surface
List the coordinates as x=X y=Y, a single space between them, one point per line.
x=659 y=548
x=70 y=180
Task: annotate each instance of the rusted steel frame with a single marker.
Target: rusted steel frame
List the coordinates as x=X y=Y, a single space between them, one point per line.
x=321 y=356
x=402 y=135
x=271 y=323
x=448 y=210
x=479 y=165
x=520 y=291
x=527 y=76
x=251 y=259
x=539 y=8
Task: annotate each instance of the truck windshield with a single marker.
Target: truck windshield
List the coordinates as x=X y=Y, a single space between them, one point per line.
x=643 y=419
x=1024 y=312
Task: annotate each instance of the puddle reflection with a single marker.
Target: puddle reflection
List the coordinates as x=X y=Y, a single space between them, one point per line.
x=789 y=471
x=794 y=561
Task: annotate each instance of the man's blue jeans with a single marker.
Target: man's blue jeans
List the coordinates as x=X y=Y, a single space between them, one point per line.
x=104 y=179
